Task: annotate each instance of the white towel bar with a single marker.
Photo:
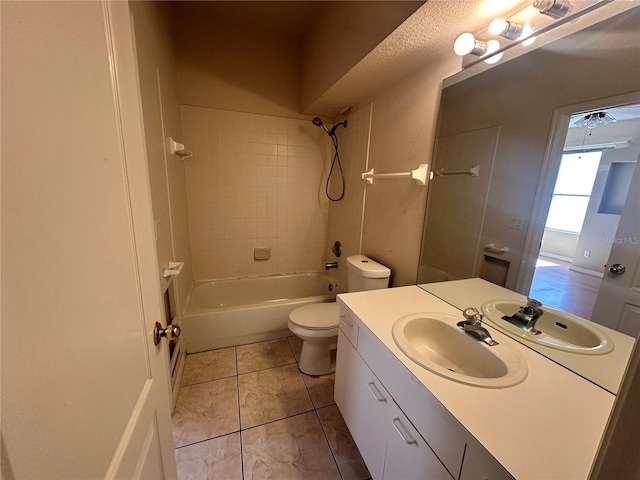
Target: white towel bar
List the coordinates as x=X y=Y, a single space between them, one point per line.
x=419 y=175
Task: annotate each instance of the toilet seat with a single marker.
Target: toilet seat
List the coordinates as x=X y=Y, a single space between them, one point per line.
x=318 y=316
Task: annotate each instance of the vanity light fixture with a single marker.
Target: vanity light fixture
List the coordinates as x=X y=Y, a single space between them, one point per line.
x=552 y=8
x=493 y=46
x=506 y=29
x=595 y=119
x=466 y=43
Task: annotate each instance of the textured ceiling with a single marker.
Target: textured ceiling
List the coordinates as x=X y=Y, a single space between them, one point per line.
x=425 y=39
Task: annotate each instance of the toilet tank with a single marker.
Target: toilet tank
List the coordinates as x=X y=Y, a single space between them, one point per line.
x=366 y=274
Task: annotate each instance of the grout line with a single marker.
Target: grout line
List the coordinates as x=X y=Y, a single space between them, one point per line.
x=210 y=380
x=235 y=350
x=206 y=440
x=277 y=420
x=328 y=444
x=267 y=368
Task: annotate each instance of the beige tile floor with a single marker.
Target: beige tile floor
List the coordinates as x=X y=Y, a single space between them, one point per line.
x=248 y=413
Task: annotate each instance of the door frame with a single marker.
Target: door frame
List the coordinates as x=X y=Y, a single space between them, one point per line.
x=546 y=182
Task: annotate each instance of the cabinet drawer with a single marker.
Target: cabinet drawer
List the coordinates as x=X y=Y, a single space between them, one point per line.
x=436 y=424
x=408 y=456
x=349 y=326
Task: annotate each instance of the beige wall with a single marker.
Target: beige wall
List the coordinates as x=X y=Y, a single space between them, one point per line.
x=341 y=35
x=254 y=181
x=561 y=244
x=402 y=133
x=234 y=68
x=161 y=111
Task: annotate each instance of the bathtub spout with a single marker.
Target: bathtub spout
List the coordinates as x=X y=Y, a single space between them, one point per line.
x=330 y=265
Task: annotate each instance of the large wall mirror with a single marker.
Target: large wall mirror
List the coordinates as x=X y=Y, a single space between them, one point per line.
x=554 y=137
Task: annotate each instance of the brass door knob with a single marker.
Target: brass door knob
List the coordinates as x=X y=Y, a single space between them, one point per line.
x=170 y=332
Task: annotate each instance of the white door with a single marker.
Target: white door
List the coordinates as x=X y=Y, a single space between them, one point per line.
x=85 y=393
x=618 y=302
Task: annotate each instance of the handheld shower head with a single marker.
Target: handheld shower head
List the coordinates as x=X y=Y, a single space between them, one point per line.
x=317 y=121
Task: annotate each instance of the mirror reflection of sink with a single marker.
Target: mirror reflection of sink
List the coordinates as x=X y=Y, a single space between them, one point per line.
x=559 y=330
x=433 y=341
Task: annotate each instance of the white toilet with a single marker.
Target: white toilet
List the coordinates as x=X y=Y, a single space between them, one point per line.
x=317 y=324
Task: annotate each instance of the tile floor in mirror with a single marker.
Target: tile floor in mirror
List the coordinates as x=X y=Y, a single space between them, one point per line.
x=247 y=412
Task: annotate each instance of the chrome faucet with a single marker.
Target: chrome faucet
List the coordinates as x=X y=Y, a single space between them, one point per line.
x=473 y=326
x=527 y=317
x=330 y=265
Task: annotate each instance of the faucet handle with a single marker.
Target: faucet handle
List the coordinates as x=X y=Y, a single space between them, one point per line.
x=532 y=302
x=473 y=315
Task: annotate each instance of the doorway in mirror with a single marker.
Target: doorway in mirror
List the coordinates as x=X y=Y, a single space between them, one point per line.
x=590 y=218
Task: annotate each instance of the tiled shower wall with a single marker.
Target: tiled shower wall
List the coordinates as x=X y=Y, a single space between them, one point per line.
x=254 y=181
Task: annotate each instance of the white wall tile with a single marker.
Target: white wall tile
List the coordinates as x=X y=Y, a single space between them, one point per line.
x=254 y=182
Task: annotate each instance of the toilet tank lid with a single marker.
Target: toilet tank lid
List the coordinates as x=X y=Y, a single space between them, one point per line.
x=366 y=267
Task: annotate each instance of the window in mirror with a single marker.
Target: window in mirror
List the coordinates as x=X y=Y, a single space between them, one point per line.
x=572 y=191
x=616 y=188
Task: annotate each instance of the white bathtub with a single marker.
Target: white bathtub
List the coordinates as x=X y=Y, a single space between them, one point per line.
x=223 y=313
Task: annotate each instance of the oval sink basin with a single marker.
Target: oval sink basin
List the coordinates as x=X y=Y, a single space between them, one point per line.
x=433 y=341
x=559 y=330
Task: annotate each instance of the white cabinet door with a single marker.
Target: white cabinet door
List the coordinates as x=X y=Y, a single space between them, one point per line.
x=363 y=402
x=478 y=464
x=408 y=456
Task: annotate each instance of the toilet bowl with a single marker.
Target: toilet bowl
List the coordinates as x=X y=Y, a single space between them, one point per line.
x=317 y=324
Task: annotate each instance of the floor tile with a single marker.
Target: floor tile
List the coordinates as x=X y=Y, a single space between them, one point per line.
x=272 y=394
x=320 y=389
x=219 y=458
x=258 y=356
x=205 y=411
x=344 y=449
x=206 y=366
x=293 y=448
x=296 y=346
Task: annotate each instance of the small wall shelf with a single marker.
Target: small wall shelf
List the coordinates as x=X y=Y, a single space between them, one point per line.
x=419 y=175
x=177 y=148
x=174 y=268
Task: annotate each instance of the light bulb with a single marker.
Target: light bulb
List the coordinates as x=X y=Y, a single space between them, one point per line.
x=466 y=43
x=493 y=46
x=505 y=28
x=527 y=31
x=498 y=26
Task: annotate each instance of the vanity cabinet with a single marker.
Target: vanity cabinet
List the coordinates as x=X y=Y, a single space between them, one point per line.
x=390 y=446
x=479 y=465
x=363 y=402
x=400 y=428
x=408 y=455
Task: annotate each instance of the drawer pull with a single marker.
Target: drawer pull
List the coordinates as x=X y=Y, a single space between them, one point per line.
x=397 y=424
x=343 y=318
x=376 y=393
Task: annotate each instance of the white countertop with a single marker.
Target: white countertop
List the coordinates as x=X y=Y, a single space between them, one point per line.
x=547 y=427
x=605 y=370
